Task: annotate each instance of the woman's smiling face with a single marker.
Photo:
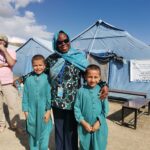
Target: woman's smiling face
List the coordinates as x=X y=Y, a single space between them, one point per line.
x=63 y=43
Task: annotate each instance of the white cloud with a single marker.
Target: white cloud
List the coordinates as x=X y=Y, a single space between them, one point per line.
x=16 y=40
x=29 y=14
x=24 y=3
x=6 y=9
x=15 y=25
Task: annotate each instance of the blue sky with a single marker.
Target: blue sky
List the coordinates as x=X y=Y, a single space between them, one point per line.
x=43 y=17
x=76 y=15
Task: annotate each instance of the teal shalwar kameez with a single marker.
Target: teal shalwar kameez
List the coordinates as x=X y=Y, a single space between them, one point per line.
x=36 y=101
x=90 y=108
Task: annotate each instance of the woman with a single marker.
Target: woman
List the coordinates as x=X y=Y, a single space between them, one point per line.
x=66 y=66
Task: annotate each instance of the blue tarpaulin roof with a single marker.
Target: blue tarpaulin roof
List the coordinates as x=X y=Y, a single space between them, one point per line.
x=25 y=53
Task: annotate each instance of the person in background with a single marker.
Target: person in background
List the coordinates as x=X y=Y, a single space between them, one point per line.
x=91 y=112
x=36 y=105
x=8 y=93
x=65 y=68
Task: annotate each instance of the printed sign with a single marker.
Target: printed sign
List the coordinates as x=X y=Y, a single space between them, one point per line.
x=140 y=70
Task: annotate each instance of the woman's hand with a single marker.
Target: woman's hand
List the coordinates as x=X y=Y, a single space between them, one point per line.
x=17 y=81
x=104 y=92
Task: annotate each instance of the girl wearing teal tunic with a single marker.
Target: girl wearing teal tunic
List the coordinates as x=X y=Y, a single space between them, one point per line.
x=91 y=112
x=36 y=105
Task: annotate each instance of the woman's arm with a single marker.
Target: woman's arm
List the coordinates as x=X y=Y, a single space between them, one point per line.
x=104 y=90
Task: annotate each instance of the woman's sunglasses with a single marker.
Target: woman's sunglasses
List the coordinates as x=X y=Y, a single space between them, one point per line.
x=61 y=42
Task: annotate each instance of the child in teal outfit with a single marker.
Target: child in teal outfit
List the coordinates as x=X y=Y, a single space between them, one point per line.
x=36 y=105
x=91 y=112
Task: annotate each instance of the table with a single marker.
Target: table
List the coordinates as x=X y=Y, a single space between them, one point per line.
x=135 y=105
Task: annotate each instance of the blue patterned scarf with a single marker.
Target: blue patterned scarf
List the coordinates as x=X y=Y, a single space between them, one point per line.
x=73 y=56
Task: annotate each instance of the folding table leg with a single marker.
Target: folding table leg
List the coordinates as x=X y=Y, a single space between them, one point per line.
x=135 y=118
x=149 y=108
x=123 y=115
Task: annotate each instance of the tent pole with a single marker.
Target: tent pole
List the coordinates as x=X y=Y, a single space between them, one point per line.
x=92 y=43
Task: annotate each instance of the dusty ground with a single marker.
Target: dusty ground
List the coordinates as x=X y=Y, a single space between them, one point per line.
x=120 y=137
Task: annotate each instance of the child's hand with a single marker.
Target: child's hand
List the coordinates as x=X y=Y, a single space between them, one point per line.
x=26 y=114
x=47 y=116
x=96 y=126
x=86 y=126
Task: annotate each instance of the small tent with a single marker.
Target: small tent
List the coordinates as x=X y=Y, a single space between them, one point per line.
x=113 y=49
x=25 y=53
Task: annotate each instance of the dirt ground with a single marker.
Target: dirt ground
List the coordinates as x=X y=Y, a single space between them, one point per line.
x=120 y=137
